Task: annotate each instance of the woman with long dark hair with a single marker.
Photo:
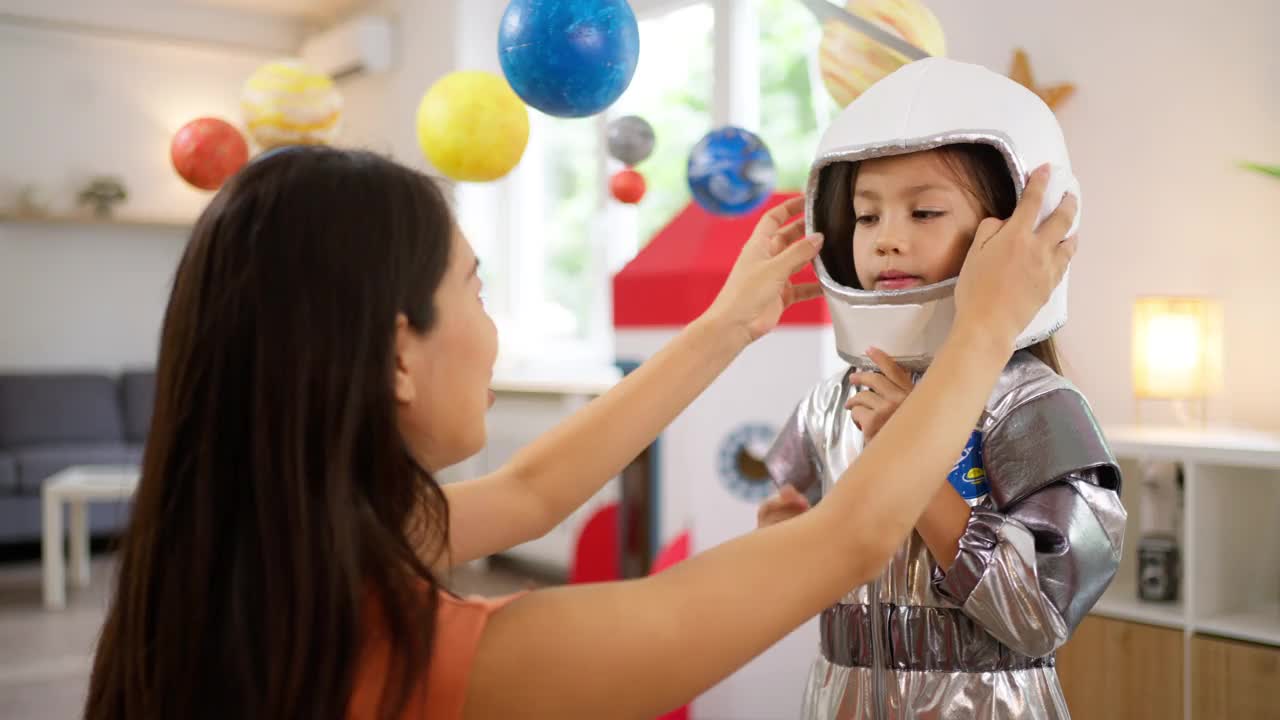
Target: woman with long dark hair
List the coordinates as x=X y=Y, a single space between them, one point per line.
x=325 y=349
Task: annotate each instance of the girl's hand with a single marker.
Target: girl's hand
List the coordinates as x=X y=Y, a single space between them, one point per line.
x=787 y=504
x=759 y=287
x=873 y=407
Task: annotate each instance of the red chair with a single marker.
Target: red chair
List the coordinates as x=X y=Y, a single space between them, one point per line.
x=674 y=552
x=596 y=557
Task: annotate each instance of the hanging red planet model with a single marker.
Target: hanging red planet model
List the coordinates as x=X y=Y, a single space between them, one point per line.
x=207 y=151
x=630 y=141
x=627 y=186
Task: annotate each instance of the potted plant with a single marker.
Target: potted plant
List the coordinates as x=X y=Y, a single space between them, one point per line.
x=1272 y=170
x=103 y=194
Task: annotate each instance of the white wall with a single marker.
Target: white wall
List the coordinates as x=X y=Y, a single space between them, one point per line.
x=80 y=104
x=380 y=110
x=1170 y=96
x=92 y=92
x=187 y=21
x=83 y=298
x=88 y=104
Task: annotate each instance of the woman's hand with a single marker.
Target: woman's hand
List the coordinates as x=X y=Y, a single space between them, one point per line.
x=787 y=504
x=1013 y=267
x=759 y=287
x=873 y=407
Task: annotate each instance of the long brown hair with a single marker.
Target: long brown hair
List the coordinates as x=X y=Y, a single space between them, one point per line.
x=980 y=167
x=277 y=497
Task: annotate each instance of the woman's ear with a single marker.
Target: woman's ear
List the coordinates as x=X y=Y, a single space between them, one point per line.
x=406 y=352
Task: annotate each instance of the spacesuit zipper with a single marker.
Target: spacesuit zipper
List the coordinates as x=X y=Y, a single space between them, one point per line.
x=877 y=653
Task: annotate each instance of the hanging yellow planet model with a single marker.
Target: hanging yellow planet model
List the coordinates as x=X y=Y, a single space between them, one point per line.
x=287 y=103
x=472 y=126
x=851 y=62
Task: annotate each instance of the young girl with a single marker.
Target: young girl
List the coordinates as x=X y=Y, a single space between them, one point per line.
x=1015 y=549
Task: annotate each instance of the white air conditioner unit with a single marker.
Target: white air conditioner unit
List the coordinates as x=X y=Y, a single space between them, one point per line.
x=360 y=45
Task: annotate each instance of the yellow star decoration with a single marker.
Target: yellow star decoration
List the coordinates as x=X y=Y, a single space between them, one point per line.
x=1053 y=95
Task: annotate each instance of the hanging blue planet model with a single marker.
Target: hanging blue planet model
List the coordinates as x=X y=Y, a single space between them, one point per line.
x=731 y=171
x=569 y=58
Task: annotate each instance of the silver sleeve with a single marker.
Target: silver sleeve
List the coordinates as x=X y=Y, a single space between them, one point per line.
x=1029 y=576
x=1029 y=571
x=793 y=458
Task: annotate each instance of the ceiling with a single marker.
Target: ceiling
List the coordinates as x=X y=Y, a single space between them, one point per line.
x=309 y=10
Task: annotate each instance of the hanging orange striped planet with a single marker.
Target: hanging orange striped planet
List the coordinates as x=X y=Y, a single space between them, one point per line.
x=287 y=103
x=851 y=62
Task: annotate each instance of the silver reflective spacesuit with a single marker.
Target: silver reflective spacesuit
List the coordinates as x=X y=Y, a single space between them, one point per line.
x=1044 y=535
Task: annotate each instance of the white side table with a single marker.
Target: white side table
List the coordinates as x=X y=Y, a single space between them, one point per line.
x=76 y=486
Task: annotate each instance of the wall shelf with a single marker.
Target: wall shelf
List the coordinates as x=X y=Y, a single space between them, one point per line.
x=1121 y=602
x=92 y=221
x=1260 y=624
x=1224 y=446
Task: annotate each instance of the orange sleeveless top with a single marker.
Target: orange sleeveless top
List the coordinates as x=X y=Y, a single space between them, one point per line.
x=440 y=694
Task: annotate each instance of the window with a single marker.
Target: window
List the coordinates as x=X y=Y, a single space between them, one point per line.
x=556 y=229
x=550 y=235
x=535 y=233
x=794 y=105
x=672 y=91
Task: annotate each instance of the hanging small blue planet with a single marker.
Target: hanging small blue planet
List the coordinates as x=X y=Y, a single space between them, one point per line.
x=731 y=171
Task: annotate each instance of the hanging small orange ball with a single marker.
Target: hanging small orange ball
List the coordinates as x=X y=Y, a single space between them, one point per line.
x=207 y=151
x=627 y=186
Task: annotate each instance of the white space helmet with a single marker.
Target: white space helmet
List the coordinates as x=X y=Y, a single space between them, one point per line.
x=925 y=105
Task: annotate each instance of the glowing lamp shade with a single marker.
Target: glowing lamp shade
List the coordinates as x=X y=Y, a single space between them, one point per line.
x=1177 y=347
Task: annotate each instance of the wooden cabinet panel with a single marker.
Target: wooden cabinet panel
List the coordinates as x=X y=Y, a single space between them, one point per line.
x=1122 y=670
x=1081 y=670
x=1235 y=680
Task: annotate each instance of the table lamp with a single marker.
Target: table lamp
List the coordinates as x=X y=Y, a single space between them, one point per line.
x=1177 y=351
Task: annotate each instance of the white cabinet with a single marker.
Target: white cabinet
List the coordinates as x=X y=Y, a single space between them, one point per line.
x=1230 y=545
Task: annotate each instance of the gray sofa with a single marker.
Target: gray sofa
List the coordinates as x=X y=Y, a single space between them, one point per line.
x=51 y=421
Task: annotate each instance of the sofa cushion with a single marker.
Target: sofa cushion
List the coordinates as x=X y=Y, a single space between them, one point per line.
x=58 y=409
x=8 y=474
x=133 y=454
x=137 y=397
x=36 y=464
